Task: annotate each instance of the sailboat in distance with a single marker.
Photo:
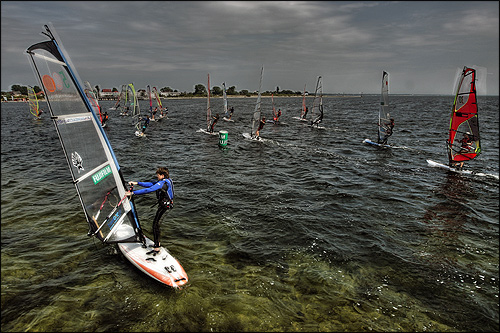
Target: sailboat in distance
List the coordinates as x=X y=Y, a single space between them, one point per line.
x=227 y=115
x=120 y=103
x=303 y=110
x=207 y=130
x=256 y=120
x=93 y=101
x=33 y=103
x=159 y=106
x=96 y=175
x=133 y=105
x=385 y=122
x=317 y=107
x=463 y=143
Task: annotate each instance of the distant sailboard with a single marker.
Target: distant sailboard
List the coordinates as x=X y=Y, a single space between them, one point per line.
x=256 y=114
x=384 y=131
x=33 y=102
x=463 y=143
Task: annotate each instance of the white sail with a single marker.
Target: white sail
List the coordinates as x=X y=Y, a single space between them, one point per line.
x=383 y=115
x=317 y=107
x=224 y=96
x=257 y=111
x=93 y=166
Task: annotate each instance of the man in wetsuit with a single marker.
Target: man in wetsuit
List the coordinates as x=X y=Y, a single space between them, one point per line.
x=277 y=116
x=388 y=131
x=145 y=124
x=305 y=113
x=261 y=125
x=164 y=188
x=214 y=121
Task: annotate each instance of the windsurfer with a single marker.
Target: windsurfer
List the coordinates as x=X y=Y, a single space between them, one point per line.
x=305 y=113
x=388 y=130
x=231 y=112
x=318 y=118
x=145 y=124
x=214 y=121
x=261 y=125
x=277 y=116
x=164 y=188
x=105 y=118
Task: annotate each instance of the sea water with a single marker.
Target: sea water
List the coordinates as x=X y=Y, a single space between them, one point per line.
x=308 y=230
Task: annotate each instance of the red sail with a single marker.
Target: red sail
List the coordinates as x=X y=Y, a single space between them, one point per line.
x=463 y=140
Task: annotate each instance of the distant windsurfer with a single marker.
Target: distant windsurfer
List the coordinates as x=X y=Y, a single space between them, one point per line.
x=261 y=125
x=145 y=123
x=164 y=188
x=319 y=118
x=215 y=119
x=105 y=118
x=277 y=116
x=305 y=113
x=231 y=112
x=388 y=131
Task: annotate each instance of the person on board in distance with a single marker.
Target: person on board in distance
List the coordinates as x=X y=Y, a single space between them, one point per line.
x=388 y=130
x=261 y=125
x=214 y=121
x=164 y=188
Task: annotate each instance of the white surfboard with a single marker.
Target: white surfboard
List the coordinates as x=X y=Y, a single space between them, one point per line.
x=468 y=172
x=207 y=132
x=139 y=134
x=162 y=267
x=227 y=119
x=370 y=142
x=249 y=137
x=298 y=118
x=317 y=127
x=444 y=166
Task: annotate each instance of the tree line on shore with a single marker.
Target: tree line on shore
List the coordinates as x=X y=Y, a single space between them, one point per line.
x=200 y=90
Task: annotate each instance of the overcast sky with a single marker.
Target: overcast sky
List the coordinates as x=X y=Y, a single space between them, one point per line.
x=175 y=44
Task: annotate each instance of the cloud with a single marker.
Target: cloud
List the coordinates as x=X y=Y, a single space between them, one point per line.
x=178 y=42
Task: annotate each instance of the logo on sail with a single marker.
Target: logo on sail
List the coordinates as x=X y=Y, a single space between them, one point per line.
x=77 y=161
x=101 y=174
